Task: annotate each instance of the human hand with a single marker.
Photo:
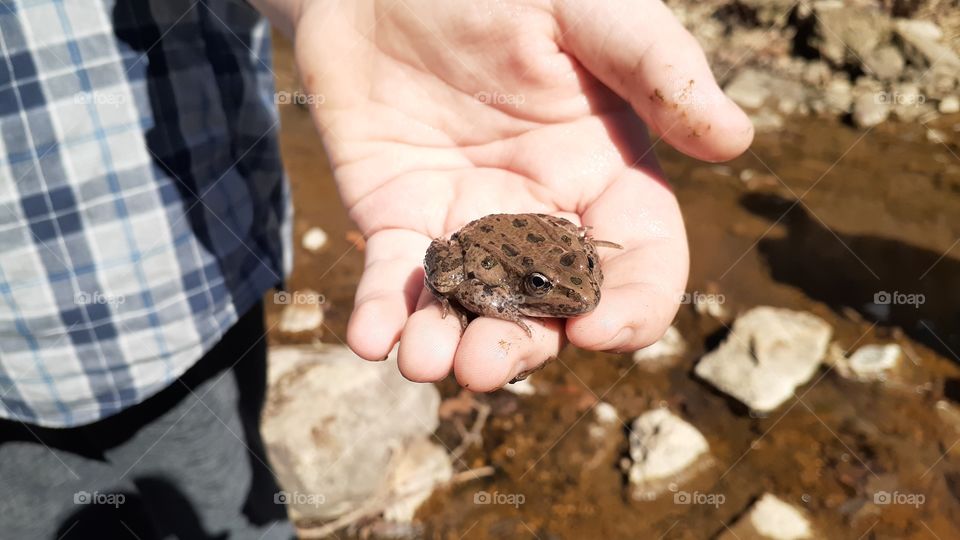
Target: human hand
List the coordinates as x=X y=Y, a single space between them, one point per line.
x=437 y=112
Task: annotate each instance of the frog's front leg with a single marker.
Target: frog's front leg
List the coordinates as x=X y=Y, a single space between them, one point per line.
x=443 y=272
x=490 y=301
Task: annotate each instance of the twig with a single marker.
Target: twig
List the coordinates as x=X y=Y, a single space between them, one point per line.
x=473 y=436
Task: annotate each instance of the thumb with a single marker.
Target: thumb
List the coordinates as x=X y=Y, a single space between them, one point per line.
x=640 y=50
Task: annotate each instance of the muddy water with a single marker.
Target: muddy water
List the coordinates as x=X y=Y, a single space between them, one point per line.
x=879 y=212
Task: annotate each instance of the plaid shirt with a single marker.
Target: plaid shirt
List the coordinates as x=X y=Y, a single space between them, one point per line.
x=143 y=206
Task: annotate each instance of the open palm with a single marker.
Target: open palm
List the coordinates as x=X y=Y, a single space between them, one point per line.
x=435 y=113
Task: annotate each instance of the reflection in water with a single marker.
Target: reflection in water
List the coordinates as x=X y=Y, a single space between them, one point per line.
x=885 y=280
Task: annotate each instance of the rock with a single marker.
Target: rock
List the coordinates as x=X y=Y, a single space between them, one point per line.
x=817 y=73
x=663 y=449
x=303 y=314
x=766 y=121
x=523 y=387
x=847 y=34
x=769 y=12
x=870 y=362
x=908 y=102
x=749 y=88
x=314 y=239
x=949 y=105
x=768 y=354
x=606 y=413
x=885 y=63
x=663 y=352
x=838 y=96
x=337 y=428
x=771 y=519
x=752 y=89
x=417 y=470
x=922 y=45
x=870 y=110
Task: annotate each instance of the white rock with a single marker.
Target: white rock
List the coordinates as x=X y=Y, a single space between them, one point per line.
x=606 y=413
x=314 y=239
x=838 y=95
x=871 y=362
x=771 y=518
x=521 y=388
x=870 y=110
x=885 y=63
x=923 y=45
x=336 y=427
x=418 y=469
x=670 y=346
x=949 y=105
x=768 y=354
x=304 y=315
x=663 y=449
x=749 y=88
x=765 y=121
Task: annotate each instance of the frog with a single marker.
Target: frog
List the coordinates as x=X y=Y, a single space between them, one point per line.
x=511 y=266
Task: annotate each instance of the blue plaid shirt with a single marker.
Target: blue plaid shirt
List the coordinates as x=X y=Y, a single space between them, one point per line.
x=143 y=206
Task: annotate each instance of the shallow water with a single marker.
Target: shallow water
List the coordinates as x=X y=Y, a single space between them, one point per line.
x=880 y=212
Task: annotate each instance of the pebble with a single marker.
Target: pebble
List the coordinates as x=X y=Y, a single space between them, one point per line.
x=314 y=239
x=869 y=110
x=663 y=447
x=773 y=519
x=768 y=354
x=521 y=388
x=870 y=362
x=302 y=317
x=667 y=348
x=749 y=88
x=949 y=105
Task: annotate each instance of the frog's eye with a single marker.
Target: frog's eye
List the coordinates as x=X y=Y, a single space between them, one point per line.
x=590 y=262
x=537 y=283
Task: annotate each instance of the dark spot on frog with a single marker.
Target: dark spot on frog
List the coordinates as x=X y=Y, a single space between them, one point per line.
x=486 y=228
x=528 y=261
x=488 y=262
x=658 y=94
x=535 y=238
x=575 y=280
x=566 y=239
x=509 y=250
x=519 y=223
x=568 y=259
x=471 y=275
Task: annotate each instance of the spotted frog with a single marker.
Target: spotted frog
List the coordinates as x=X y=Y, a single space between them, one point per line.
x=513 y=265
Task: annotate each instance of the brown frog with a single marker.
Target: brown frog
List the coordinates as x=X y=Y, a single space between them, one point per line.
x=512 y=265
